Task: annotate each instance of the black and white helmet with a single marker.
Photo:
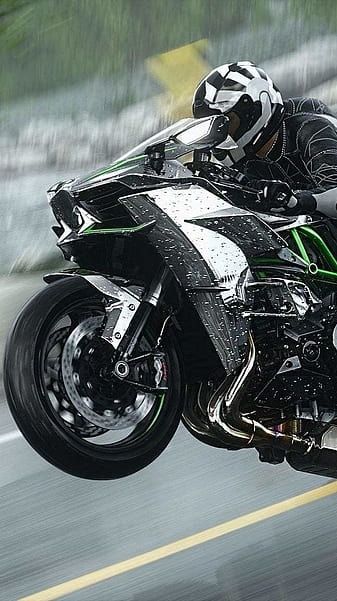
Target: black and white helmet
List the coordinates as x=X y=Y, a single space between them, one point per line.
x=246 y=90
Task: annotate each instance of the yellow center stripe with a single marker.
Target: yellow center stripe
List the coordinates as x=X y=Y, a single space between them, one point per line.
x=180 y=70
x=183 y=544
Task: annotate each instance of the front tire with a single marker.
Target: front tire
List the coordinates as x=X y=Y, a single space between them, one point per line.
x=38 y=336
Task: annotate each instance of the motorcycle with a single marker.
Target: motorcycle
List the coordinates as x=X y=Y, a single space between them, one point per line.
x=184 y=303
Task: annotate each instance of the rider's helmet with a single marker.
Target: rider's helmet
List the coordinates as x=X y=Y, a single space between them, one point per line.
x=248 y=96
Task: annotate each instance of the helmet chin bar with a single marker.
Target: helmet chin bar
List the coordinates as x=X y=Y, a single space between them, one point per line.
x=255 y=143
x=267 y=132
x=262 y=123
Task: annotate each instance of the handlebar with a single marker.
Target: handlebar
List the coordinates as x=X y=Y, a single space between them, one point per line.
x=221 y=175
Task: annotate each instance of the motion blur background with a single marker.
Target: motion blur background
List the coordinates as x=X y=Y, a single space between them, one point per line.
x=83 y=80
x=80 y=82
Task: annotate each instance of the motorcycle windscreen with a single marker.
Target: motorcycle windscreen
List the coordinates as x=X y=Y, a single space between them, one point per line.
x=135 y=159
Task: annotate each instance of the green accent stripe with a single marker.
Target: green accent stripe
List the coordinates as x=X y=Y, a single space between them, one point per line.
x=114 y=167
x=162 y=398
x=265 y=261
x=114 y=230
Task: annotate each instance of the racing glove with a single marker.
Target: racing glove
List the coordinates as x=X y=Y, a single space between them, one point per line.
x=277 y=197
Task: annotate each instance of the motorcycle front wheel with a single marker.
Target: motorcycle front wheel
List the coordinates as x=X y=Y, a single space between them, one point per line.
x=63 y=394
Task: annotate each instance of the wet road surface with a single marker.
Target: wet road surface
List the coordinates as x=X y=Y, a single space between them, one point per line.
x=55 y=528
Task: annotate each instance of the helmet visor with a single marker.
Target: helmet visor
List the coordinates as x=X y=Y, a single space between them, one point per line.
x=225 y=100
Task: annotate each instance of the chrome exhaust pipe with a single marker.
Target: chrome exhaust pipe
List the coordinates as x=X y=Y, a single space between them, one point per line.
x=198 y=424
x=224 y=413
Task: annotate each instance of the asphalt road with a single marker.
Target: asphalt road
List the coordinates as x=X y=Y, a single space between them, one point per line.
x=54 y=528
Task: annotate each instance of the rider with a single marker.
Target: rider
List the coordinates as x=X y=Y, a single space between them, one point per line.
x=287 y=149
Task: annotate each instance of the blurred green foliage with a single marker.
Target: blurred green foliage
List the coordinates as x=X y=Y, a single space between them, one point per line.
x=325 y=10
x=51 y=43
x=47 y=44
x=7 y=7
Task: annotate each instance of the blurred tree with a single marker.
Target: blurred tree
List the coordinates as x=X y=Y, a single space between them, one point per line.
x=324 y=10
x=46 y=44
x=51 y=43
x=12 y=17
x=8 y=6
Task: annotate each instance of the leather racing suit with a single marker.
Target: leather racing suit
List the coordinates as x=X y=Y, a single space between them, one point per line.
x=304 y=157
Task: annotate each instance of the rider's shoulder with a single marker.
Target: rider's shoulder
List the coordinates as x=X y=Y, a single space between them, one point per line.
x=300 y=106
x=305 y=117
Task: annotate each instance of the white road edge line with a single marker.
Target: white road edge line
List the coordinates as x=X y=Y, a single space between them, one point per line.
x=9 y=436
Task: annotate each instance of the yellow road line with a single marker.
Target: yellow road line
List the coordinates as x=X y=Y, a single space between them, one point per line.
x=183 y=544
x=178 y=72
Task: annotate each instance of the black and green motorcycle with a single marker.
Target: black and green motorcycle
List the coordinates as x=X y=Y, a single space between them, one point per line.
x=182 y=304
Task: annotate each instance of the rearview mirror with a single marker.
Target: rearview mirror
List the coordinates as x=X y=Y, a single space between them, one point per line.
x=207 y=132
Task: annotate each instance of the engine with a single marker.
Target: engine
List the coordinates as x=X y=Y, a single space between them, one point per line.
x=296 y=366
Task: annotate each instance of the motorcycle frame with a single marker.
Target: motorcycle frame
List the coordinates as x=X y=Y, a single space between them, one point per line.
x=303 y=233
x=299 y=237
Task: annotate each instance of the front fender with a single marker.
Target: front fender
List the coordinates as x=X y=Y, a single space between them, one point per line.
x=108 y=286
x=119 y=297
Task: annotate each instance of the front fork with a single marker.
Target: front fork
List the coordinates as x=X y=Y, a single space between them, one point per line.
x=127 y=318
x=124 y=332
x=146 y=308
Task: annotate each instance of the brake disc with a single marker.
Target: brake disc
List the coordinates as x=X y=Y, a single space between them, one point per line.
x=114 y=413
x=53 y=381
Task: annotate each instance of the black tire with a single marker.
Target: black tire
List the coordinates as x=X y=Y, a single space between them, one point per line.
x=33 y=413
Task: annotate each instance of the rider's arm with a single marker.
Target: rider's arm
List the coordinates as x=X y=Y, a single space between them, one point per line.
x=317 y=144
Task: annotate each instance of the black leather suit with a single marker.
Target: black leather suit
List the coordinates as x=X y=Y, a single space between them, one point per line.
x=304 y=156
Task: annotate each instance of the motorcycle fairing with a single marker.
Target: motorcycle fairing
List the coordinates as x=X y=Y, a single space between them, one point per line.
x=179 y=204
x=202 y=261
x=224 y=258
x=243 y=228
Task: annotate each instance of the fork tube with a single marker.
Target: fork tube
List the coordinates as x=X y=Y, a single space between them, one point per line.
x=145 y=310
